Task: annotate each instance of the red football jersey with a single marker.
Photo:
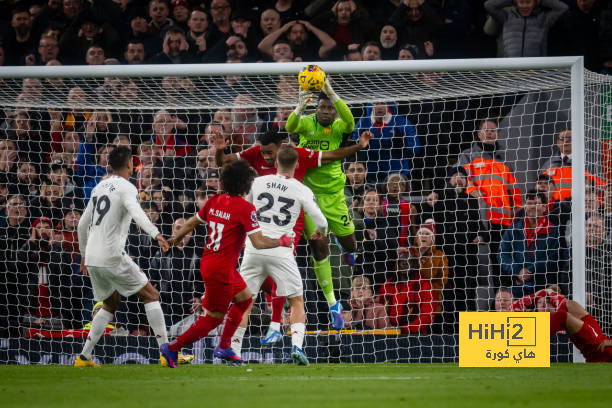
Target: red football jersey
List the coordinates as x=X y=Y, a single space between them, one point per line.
x=230 y=219
x=307 y=159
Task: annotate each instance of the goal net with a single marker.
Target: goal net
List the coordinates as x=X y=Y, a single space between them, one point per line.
x=462 y=159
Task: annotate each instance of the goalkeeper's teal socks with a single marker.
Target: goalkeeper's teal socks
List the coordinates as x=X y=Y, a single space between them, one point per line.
x=324 y=277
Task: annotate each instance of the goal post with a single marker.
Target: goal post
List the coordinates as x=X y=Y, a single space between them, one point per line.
x=440 y=102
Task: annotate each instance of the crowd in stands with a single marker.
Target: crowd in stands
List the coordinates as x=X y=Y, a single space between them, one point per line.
x=419 y=261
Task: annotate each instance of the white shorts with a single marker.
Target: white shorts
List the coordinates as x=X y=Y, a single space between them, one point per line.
x=255 y=269
x=125 y=278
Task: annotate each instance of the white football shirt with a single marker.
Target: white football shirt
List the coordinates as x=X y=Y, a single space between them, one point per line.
x=104 y=226
x=279 y=201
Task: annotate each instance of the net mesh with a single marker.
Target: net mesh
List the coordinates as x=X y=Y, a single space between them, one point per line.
x=426 y=162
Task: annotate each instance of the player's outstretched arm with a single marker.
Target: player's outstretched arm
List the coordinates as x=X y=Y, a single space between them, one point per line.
x=341 y=153
x=83 y=233
x=260 y=241
x=344 y=112
x=140 y=217
x=185 y=229
x=293 y=121
x=220 y=157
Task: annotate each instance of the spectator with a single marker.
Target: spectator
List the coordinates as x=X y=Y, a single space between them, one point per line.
x=180 y=13
x=20 y=39
x=459 y=231
x=288 y=10
x=205 y=160
x=174 y=49
x=165 y=126
x=526 y=24
x=530 y=252
x=418 y=23
x=134 y=52
x=173 y=273
x=454 y=37
x=212 y=180
x=394 y=144
x=269 y=21
x=491 y=180
x=4 y=194
x=379 y=241
x=356 y=175
x=48 y=50
x=577 y=33
x=599 y=268
x=282 y=51
x=346 y=23
x=352 y=53
x=52 y=203
x=92 y=160
x=14 y=234
x=408 y=298
x=28 y=182
x=400 y=212
x=297 y=35
x=78 y=114
x=59 y=14
x=198 y=33
x=167 y=208
x=220 y=11
x=433 y=264
x=503 y=300
x=65 y=142
x=57 y=173
x=246 y=124
x=147 y=179
x=8 y=160
x=33 y=275
x=364 y=312
x=371 y=51
x=559 y=167
x=139 y=28
x=389 y=45
x=140 y=246
x=33 y=144
x=87 y=30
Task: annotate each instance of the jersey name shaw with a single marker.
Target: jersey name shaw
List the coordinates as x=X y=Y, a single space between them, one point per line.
x=278 y=186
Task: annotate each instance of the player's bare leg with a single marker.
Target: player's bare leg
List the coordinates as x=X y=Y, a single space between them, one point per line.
x=104 y=316
x=298 y=329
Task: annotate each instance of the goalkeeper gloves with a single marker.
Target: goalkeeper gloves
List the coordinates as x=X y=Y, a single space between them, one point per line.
x=327 y=90
x=303 y=97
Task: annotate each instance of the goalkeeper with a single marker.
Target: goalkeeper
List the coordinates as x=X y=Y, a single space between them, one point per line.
x=324 y=131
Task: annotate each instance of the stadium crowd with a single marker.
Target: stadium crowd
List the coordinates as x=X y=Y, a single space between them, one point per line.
x=433 y=198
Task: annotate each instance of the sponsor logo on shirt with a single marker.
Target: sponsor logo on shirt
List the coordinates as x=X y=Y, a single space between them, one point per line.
x=317 y=145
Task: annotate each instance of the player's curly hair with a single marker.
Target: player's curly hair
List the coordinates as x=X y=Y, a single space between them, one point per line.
x=237 y=177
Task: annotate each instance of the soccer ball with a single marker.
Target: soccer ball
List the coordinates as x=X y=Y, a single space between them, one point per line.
x=311 y=78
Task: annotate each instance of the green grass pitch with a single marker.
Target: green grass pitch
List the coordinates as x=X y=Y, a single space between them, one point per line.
x=320 y=385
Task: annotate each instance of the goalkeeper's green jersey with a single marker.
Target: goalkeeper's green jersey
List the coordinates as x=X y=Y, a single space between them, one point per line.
x=329 y=178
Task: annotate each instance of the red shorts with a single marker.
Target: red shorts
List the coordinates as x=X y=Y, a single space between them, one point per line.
x=218 y=295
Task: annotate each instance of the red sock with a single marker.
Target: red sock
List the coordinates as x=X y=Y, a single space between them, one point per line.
x=586 y=340
x=590 y=320
x=195 y=332
x=278 y=303
x=557 y=321
x=234 y=316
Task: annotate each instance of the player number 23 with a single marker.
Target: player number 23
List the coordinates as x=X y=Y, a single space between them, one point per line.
x=288 y=203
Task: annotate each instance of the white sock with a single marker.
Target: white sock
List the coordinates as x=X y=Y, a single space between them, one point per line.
x=155 y=316
x=237 y=340
x=275 y=326
x=297 y=334
x=98 y=325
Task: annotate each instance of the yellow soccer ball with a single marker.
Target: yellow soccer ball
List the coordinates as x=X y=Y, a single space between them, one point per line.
x=311 y=78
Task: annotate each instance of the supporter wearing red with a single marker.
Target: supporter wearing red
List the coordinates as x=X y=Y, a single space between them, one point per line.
x=559 y=167
x=402 y=214
x=165 y=128
x=408 y=298
x=583 y=329
x=530 y=252
x=364 y=312
x=230 y=219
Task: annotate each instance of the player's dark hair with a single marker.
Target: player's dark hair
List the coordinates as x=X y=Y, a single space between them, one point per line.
x=323 y=97
x=286 y=157
x=272 y=136
x=237 y=178
x=119 y=157
x=534 y=194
